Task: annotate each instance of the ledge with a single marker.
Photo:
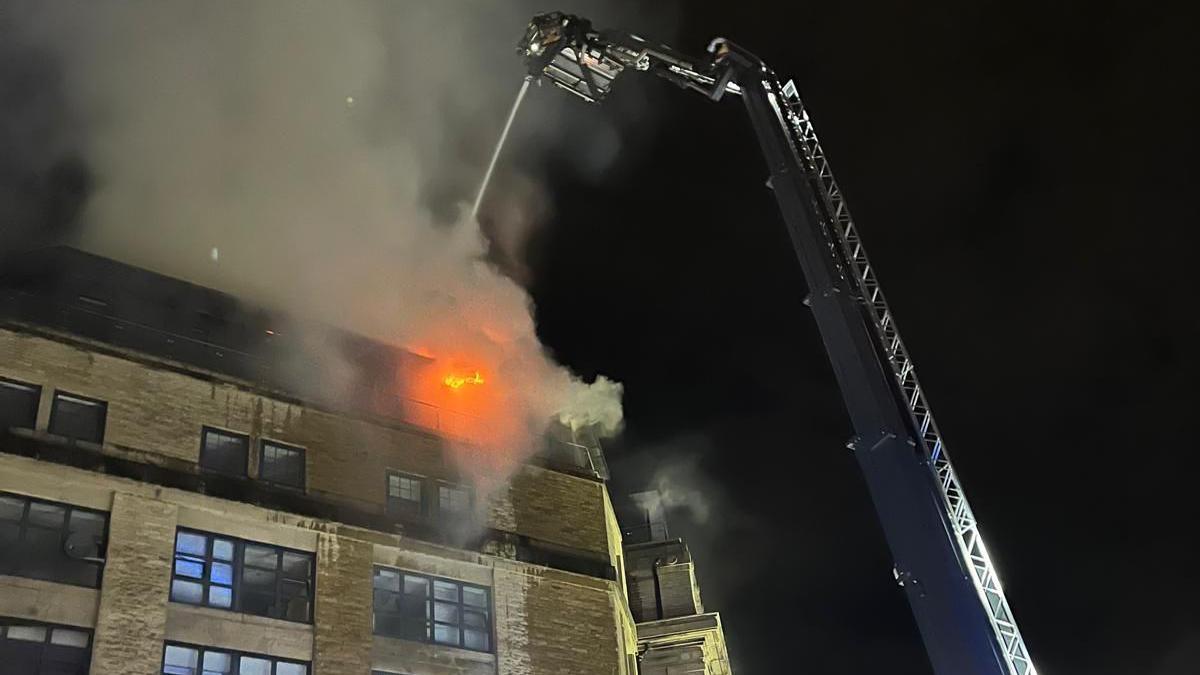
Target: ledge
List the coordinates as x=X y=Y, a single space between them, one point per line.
x=679 y=625
x=239 y=632
x=407 y=656
x=173 y=474
x=48 y=602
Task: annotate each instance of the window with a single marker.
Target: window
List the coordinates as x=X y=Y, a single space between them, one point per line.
x=181 y=659
x=454 y=499
x=415 y=607
x=404 y=493
x=243 y=576
x=43 y=649
x=18 y=405
x=224 y=452
x=281 y=465
x=77 y=417
x=54 y=542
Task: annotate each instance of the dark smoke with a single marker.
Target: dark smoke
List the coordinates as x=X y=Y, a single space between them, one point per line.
x=44 y=180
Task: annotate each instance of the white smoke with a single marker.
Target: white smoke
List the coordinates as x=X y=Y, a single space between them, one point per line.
x=681 y=486
x=320 y=158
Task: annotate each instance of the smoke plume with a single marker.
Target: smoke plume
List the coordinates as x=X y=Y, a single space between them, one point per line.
x=43 y=179
x=320 y=158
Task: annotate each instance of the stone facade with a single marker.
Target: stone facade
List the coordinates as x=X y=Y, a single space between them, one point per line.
x=342 y=642
x=544 y=620
x=132 y=618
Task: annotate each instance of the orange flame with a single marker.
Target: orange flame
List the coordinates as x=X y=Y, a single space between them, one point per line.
x=482 y=427
x=457 y=381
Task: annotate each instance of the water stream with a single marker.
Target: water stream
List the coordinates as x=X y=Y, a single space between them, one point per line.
x=487 y=177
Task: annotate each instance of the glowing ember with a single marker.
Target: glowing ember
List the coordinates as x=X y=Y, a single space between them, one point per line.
x=457 y=381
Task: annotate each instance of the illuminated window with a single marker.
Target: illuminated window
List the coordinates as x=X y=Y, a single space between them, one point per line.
x=43 y=649
x=53 y=542
x=404 y=493
x=242 y=576
x=180 y=659
x=454 y=499
x=224 y=451
x=281 y=465
x=416 y=607
x=77 y=417
x=18 y=404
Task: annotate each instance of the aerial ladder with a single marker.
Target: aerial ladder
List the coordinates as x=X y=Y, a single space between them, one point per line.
x=939 y=555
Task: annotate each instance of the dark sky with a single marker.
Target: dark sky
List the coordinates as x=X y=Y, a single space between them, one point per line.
x=1023 y=176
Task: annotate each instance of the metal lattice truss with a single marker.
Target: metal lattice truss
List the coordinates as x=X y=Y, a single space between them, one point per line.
x=837 y=219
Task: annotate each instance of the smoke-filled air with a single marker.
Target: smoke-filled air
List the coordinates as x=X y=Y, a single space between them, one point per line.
x=321 y=158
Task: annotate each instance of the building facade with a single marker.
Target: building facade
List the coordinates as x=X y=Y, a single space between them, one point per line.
x=171 y=502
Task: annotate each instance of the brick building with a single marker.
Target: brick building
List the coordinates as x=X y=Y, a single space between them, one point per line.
x=174 y=500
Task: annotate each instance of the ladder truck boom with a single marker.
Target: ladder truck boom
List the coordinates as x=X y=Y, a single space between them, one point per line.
x=940 y=557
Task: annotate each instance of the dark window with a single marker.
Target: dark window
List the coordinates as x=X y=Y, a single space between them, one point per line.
x=243 y=576
x=454 y=500
x=281 y=465
x=404 y=493
x=416 y=607
x=42 y=649
x=77 y=417
x=224 y=452
x=181 y=659
x=54 y=542
x=18 y=404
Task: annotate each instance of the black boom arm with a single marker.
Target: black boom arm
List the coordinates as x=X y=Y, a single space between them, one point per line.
x=940 y=560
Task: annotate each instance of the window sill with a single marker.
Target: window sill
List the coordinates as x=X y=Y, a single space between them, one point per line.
x=391 y=653
x=283 y=487
x=48 y=601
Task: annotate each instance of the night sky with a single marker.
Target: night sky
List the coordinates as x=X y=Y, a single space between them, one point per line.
x=1023 y=176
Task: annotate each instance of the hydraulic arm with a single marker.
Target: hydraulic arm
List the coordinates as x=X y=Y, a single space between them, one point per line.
x=940 y=558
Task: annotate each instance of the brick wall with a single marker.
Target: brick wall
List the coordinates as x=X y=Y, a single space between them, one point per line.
x=556 y=623
x=561 y=509
x=132 y=618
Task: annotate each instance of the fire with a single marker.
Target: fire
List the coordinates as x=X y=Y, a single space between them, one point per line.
x=483 y=427
x=457 y=381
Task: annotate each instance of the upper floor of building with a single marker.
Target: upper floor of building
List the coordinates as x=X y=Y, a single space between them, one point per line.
x=123 y=371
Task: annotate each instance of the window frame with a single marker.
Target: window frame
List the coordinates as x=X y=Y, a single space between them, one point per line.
x=63 y=531
x=450 y=513
x=262 y=457
x=239 y=565
x=395 y=504
x=235 y=664
x=47 y=641
x=204 y=431
x=19 y=385
x=431 y=622
x=54 y=410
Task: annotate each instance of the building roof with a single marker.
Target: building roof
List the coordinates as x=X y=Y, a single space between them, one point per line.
x=205 y=331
